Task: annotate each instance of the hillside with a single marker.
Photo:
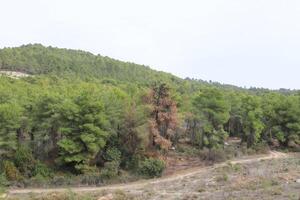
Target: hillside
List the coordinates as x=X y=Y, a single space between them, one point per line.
x=77 y=119
x=36 y=59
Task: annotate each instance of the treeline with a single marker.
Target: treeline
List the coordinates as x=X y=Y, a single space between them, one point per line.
x=66 y=123
x=50 y=124
x=271 y=118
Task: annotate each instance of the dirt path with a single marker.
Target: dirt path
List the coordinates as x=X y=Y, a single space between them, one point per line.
x=140 y=184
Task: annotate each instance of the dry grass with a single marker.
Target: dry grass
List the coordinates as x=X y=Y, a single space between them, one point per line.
x=269 y=179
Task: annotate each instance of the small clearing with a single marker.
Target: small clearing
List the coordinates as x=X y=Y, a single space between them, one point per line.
x=14 y=74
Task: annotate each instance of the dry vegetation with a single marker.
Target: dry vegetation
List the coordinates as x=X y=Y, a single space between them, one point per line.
x=265 y=179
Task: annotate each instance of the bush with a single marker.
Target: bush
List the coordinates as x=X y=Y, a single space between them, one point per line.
x=261 y=147
x=36 y=181
x=214 y=155
x=41 y=169
x=3 y=181
x=25 y=161
x=110 y=170
x=60 y=180
x=231 y=152
x=132 y=162
x=187 y=150
x=86 y=169
x=11 y=172
x=90 y=179
x=151 y=167
x=112 y=154
x=111 y=167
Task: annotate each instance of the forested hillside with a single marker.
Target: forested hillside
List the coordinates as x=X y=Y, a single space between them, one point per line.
x=92 y=116
x=37 y=59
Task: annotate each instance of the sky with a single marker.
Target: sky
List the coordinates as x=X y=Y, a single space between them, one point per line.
x=240 y=42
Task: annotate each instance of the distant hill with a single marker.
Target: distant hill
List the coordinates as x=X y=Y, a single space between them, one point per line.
x=37 y=59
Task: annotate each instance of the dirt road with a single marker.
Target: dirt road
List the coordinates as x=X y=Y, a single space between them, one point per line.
x=140 y=184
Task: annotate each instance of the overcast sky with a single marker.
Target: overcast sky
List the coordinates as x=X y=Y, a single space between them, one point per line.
x=240 y=42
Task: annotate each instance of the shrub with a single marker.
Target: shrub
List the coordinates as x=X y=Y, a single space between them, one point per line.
x=250 y=151
x=112 y=154
x=217 y=155
x=90 y=179
x=24 y=161
x=187 y=150
x=261 y=147
x=237 y=167
x=214 y=155
x=60 y=180
x=294 y=141
x=41 y=169
x=231 y=152
x=151 y=167
x=222 y=178
x=133 y=162
x=11 y=172
x=3 y=181
x=110 y=170
x=86 y=169
x=36 y=181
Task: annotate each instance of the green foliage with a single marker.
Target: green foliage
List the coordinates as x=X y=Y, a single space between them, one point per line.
x=11 y=172
x=83 y=129
x=112 y=164
x=3 y=180
x=282 y=119
x=252 y=120
x=113 y=154
x=151 y=167
x=10 y=114
x=37 y=59
x=42 y=170
x=25 y=161
x=110 y=170
x=212 y=111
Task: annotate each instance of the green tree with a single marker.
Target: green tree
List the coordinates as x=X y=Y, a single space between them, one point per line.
x=47 y=122
x=251 y=120
x=212 y=109
x=84 y=132
x=10 y=116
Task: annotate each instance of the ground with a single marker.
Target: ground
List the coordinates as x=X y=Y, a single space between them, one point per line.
x=272 y=176
x=14 y=74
